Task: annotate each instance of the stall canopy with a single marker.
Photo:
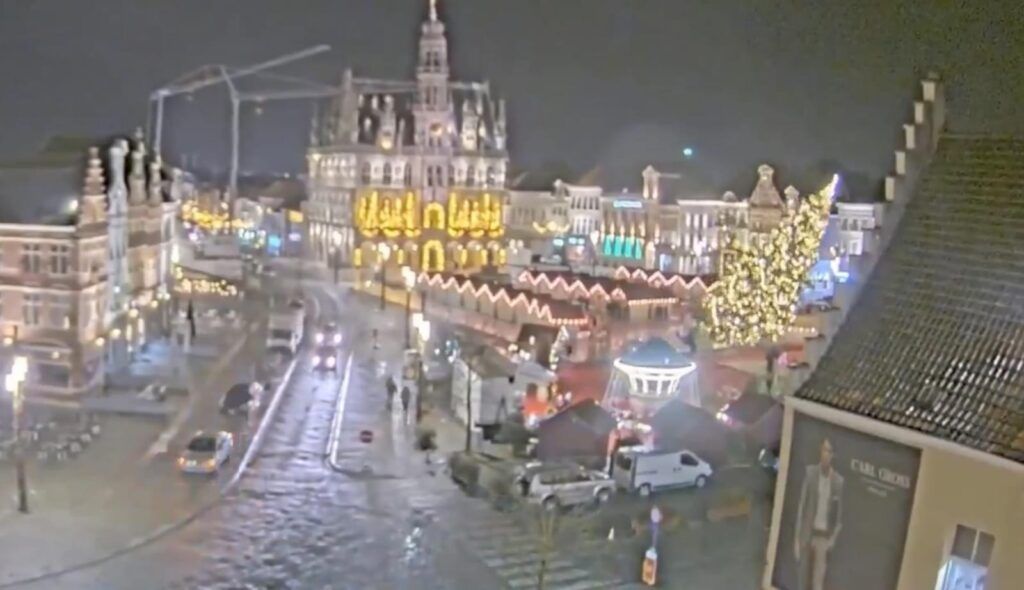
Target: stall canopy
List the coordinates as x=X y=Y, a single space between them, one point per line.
x=579 y=431
x=678 y=425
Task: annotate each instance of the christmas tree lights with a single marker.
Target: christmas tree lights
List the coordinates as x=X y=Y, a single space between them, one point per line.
x=755 y=298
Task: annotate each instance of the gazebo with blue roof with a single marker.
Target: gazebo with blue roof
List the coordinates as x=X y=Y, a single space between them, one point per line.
x=651 y=373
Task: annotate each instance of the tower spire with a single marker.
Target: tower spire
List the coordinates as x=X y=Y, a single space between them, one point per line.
x=433 y=10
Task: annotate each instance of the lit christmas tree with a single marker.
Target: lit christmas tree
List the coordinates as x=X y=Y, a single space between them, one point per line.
x=755 y=298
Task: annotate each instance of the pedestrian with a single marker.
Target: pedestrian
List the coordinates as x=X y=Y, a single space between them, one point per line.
x=426 y=443
x=406 y=394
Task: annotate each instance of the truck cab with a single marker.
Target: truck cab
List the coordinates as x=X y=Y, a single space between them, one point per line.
x=285 y=328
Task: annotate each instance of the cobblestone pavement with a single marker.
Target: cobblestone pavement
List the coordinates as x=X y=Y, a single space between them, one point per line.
x=295 y=522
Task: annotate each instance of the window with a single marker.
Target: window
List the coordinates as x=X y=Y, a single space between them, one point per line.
x=387 y=173
x=430 y=176
x=687 y=459
x=439 y=173
x=59 y=312
x=31 y=259
x=59 y=259
x=366 y=174
x=967 y=566
x=408 y=175
x=31 y=307
x=490 y=176
x=471 y=176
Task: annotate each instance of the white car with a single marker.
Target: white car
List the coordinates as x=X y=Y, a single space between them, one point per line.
x=206 y=452
x=555 y=486
x=645 y=471
x=328 y=335
x=326 y=359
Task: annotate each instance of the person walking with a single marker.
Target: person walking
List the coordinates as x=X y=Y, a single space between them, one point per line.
x=391 y=388
x=406 y=395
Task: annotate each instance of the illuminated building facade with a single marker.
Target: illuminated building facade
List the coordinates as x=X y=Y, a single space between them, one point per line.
x=84 y=258
x=670 y=227
x=409 y=172
x=142 y=219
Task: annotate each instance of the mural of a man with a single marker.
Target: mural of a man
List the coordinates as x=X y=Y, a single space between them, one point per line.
x=818 y=520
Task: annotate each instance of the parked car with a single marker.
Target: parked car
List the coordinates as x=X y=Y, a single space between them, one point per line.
x=242 y=398
x=557 y=485
x=155 y=391
x=768 y=460
x=645 y=471
x=328 y=334
x=206 y=452
x=326 y=359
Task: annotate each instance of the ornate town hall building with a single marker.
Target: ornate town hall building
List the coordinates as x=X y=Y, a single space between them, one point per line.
x=409 y=172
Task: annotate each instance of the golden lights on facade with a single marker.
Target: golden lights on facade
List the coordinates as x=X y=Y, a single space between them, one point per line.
x=399 y=215
x=450 y=228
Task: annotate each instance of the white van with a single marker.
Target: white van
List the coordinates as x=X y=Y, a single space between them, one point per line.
x=645 y=471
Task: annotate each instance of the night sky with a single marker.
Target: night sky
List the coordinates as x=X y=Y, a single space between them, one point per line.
x=587 y=81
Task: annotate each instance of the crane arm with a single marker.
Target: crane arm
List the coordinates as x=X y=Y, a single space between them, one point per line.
x=215 y=74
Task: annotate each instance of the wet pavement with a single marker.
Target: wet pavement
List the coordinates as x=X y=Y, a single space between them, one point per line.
x=383 y=520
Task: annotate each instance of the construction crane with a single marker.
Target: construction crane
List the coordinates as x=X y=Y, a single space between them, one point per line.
x=210 y=75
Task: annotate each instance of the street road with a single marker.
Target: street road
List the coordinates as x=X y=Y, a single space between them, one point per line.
x=379 y=518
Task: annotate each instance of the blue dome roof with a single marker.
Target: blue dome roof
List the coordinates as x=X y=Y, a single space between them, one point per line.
x=655 y=352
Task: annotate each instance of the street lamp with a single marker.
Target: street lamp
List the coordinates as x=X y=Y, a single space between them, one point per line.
x=383 y=253
x=595 y=238
x=409 y=280
x=14 y=380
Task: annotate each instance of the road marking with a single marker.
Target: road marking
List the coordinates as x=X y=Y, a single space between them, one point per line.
x=261 y=430
x=339 y=414
x=161 y=444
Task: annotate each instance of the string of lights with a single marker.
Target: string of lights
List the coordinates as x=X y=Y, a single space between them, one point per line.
x=755 y=299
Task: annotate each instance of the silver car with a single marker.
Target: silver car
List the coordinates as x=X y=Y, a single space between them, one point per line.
x=206 y=452
x=556 y=486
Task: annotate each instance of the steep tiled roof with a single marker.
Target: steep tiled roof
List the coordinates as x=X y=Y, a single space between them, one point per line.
x=936 y=340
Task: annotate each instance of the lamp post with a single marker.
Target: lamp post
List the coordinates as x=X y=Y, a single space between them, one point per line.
x=468 y=360
x=19 y=371
x=335 y=262
x=409 y=280
x=383 y=253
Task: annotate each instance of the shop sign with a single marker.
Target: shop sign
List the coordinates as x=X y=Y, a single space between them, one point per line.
x=846 y=509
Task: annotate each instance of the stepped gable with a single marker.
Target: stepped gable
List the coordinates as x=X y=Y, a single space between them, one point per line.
x=935 y=342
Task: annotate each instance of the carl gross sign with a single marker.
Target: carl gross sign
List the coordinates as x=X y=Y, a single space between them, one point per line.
x=883 y=475
x=845 y=510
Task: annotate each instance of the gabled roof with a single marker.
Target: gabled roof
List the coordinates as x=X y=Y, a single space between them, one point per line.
x=587 y=413
x=543 y=306
x=935 y=342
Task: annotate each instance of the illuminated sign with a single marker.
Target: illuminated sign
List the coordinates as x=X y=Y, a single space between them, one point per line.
x=630 y=204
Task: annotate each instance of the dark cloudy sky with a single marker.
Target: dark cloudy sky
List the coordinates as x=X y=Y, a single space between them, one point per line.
x=790 y=82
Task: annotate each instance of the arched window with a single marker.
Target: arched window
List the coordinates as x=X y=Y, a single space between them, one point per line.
x=387 y=173
x=366 y=174
x=471 y=176
x=490 y=176
x=408 y=174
